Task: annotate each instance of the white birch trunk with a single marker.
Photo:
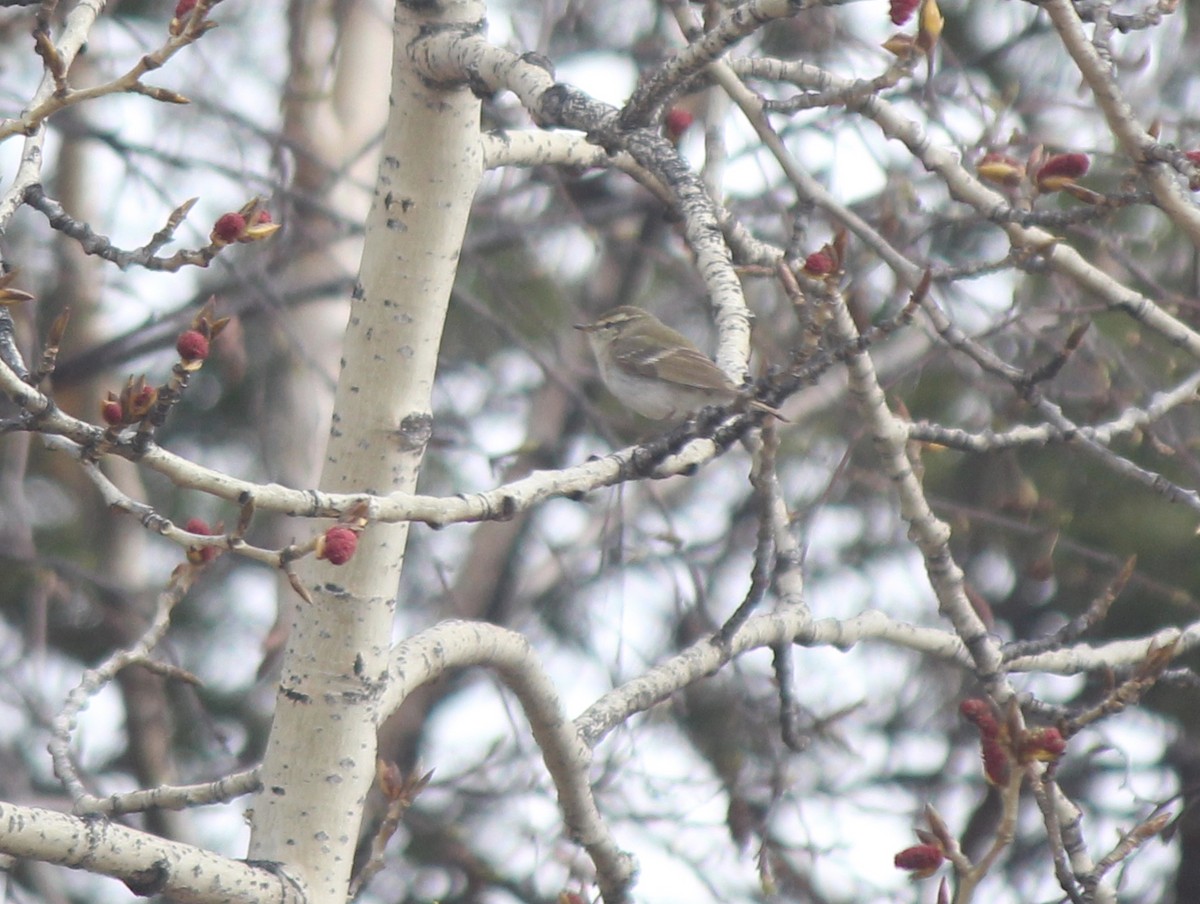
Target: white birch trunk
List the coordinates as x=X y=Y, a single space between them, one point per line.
x=320 y=759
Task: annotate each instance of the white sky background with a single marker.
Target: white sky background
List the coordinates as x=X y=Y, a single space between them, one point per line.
x=852 y=827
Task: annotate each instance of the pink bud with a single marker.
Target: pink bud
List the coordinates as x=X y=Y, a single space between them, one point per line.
x=111 y=412
x=901 y=10
x=192 y=345
x=198 y=526
x=337 y=545
x=1043 y=744
x=200 y=555
x=1060 y=170
x=141 y=400
x=922 y=860
x=997 y=764
x=677 y=121
x=228 y=228
x=979 y=713
x=819 y=263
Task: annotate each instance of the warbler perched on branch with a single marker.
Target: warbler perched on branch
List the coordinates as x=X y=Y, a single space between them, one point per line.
x=656 y=371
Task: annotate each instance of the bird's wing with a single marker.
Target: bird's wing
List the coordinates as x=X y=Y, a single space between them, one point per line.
x=684 y=366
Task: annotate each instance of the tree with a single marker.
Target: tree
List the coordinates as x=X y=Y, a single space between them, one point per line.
x=772 y=648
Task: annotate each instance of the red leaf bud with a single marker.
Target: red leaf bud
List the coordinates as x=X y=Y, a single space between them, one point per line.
x=820 y=263
x=980 y=714
x=1060 y=170
x=229 y=228
x=141 y=401
x=337 y=545
x=677 y=121
x=922 y=860
x=1043 y=744
x=111 y=412
x=200 y=555
x=997 y=764
x=391 y=781
x=183 y=10
x=192 y=345
x=973 y=708
x=901 y=10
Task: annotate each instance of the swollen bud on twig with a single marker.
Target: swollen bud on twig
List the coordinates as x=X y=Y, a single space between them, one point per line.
x=228 y=228
x=136 y=400
x=111 y=411
x=902 y=10
x=677 y=121
x=182 y=19
x=337 y=545
x=389 y=778
x=997 y=763
x=826 y=260
x=922 y=860
x=1042 y=744
x=252 y=223
x=166 y=95
x=194 y=343
x=1060 y=171
x=993 y=739
x=979 y=713
x=819 y=263
x=183 y=9
x=200 y=555
x=140 y=399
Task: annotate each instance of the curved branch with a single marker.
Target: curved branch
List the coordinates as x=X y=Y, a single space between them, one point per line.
x=94 y=680
x=457 y=644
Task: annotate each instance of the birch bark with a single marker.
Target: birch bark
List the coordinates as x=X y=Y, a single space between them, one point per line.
x=320 y=758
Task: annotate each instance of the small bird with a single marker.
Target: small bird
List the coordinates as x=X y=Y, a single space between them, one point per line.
x=654 y=370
